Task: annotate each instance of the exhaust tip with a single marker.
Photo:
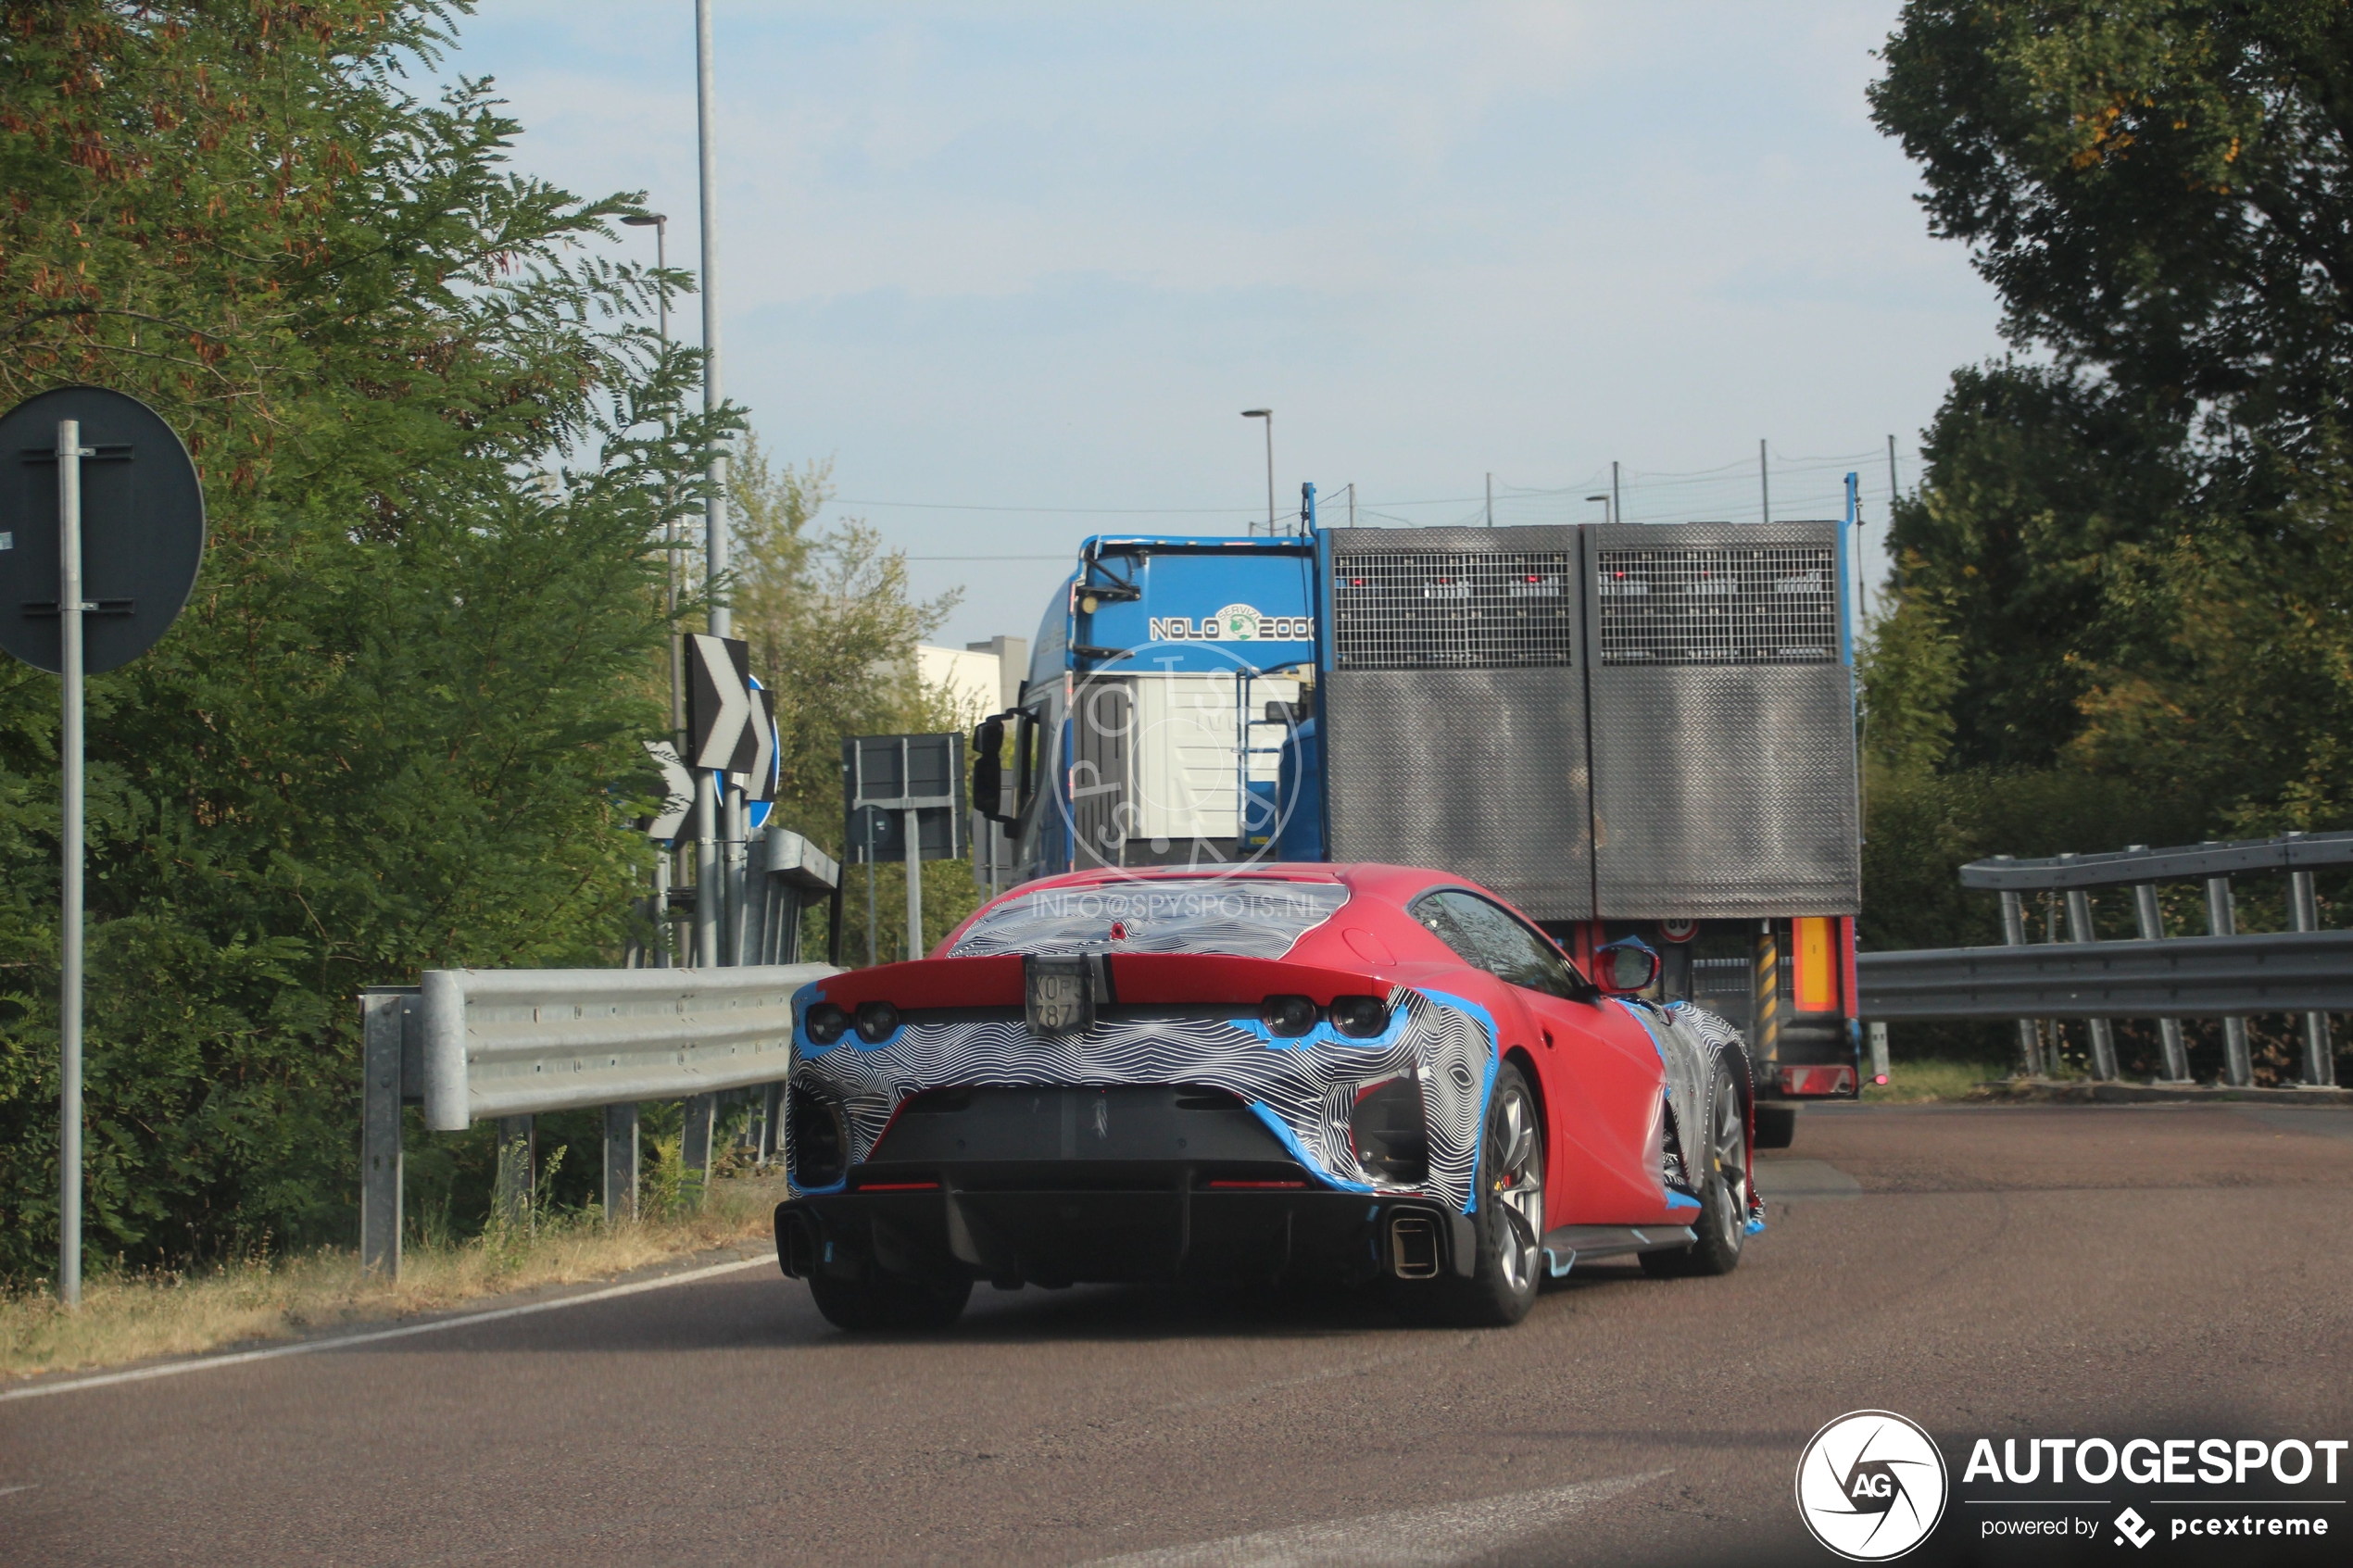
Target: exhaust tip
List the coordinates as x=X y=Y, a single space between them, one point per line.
x=1413 y=1247
x=796 y=1244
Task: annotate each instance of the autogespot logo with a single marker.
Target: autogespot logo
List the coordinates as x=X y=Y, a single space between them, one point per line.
x=1870 y=1485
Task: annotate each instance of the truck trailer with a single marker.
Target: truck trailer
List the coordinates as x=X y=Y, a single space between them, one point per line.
x=1626 y=730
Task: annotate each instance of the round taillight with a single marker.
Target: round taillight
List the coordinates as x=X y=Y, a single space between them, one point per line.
x=877 y=1022
x=824 y=1023
x=1289 y=1017
x=1360 y=1018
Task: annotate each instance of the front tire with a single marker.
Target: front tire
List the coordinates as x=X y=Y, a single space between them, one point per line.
x=1508 y=1223
x=865 y=1306
x=1722 y=1224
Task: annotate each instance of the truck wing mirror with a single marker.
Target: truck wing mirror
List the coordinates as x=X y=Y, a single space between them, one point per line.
x=988 y=768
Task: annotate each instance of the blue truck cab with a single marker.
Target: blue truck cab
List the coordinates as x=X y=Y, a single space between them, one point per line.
x=1165 y=687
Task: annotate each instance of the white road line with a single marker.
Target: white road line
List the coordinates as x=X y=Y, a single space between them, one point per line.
x=11 y=1491
x=1434 y=1536
x=345 y=1342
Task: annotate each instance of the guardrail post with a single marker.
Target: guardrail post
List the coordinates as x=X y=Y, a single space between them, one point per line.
x=693 y=1147
x=380 y=1016
x=2221 y=920
x=2150 y=922
x=620 y=1164
x=2079 y=929
x=515 y=1166
x=2319 y=1050
x=772 y=1107
x=2029 y=1031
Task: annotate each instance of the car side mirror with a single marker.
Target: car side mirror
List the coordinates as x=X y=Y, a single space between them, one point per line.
x=1625 y=967
x=988 y=768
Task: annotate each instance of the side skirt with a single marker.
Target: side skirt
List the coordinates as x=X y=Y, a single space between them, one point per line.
x=1566 y=1246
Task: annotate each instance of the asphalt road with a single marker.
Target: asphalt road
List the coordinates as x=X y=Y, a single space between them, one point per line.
x=1995 y=1271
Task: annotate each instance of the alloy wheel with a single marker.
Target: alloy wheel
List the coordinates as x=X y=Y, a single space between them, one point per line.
x=1517 y=1185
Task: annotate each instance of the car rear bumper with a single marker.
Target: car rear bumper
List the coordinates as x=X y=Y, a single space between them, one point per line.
x=1056 y=1236
x=1054 y=1186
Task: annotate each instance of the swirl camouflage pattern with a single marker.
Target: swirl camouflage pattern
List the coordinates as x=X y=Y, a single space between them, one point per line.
x=1248 y=917
x=1304 y=1089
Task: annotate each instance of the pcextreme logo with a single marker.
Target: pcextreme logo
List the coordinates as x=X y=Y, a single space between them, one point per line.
x=1870 y=1485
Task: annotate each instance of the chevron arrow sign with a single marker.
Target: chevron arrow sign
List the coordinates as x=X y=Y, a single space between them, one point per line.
x=680 y=786
x=720 y=731
x=759 y=781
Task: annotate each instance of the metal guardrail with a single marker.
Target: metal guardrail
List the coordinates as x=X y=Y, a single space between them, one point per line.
x=481 y=1045
x=471 y=1046
x=2141 y=868
x=2181 y=977
x=524 y=1042
x=2291 y=852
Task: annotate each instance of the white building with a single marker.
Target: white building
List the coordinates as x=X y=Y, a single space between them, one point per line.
x=983 y=677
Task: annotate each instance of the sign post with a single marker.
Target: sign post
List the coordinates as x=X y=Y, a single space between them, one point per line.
x=903 y=795
x=68 y=459
x=144 y=529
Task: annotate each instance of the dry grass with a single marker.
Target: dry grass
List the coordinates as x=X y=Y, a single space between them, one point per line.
x=133 y=1317
x=1909 y=1083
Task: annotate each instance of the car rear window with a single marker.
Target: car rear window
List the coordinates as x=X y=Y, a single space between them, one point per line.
x=1246 y=917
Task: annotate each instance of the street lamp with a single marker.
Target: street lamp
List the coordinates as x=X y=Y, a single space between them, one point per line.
x=1608 y=515
x=659 y=223
x=1269 y=415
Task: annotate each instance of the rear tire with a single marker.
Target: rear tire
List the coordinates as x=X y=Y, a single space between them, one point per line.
x=1722 y=1222
x=863 y=1305
x=1776 y=1126
x=1507 y=1225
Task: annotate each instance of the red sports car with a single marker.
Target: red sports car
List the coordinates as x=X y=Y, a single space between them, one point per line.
x=1351 y=1072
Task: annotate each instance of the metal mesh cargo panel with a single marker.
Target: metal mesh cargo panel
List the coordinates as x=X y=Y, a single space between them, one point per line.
x=1456 y=713
x=1480 y=773
x=1765 y=603
x=1723 y=767
x=1460 y=609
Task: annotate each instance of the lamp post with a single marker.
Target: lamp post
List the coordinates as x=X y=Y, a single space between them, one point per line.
x=1609 y=513
x=1269 y=415
x=709 y=802
x=664 y=873
x=659 y=223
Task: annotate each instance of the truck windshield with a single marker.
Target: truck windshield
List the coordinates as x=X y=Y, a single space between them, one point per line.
x=1249 y=917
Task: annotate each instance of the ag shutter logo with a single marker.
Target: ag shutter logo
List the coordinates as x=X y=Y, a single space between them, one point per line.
x=1870 y=1485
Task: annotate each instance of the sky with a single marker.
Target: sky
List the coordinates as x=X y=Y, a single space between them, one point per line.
x=1015 y=270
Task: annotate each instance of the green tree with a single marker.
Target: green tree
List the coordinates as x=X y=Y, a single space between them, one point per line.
x=395 y=726
x=2160 y=189
x=833 y=625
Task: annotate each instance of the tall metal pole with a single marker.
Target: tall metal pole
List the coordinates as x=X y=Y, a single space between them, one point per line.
x=70 y=982
x=1764 y=484
x=711 y=891
x=914 y=888
x=1270 y=474
x=1491 y=500
x=1617 y=506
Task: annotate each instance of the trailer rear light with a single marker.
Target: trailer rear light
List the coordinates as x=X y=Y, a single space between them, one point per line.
x=1386 y=1131
x=1360 y=1018
x=824 y=1023
x=877 y=1022
x=1817 y=1080
x=1288 y=1017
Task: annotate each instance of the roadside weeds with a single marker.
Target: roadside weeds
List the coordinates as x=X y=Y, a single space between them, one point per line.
x=132 y=1317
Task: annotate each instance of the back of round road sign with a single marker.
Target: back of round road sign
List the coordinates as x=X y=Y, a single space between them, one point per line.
x=142 y=527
